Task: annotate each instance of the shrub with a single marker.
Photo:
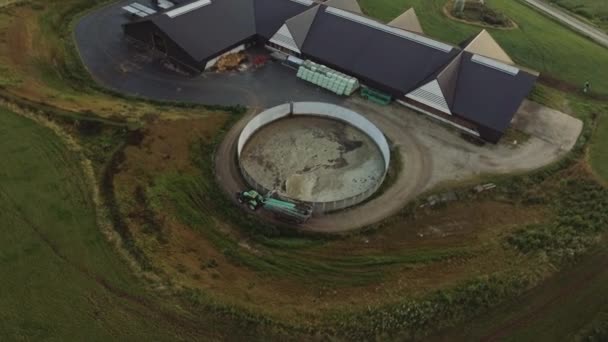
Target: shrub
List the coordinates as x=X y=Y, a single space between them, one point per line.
x=582 y=213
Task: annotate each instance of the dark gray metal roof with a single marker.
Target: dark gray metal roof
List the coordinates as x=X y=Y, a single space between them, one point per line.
x=270 y=15
x=210 y=29
x=300 y=25
x=448 y=79
x=397 y=60
x=373 y=54
x=488 y=96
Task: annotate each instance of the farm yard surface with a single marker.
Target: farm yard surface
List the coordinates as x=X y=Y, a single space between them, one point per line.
x=429 y=155
x=119 y=221
x=121 y=66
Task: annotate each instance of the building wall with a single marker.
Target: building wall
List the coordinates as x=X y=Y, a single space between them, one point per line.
x=489 y=135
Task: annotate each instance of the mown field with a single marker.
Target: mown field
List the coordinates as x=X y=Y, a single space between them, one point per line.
x=220 y=274
x=60 y=276
x=539 y=43
x=596 y=11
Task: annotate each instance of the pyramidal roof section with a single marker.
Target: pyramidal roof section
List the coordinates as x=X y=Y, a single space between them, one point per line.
x=431 y=95
x=439 y=90
x=483 y=44
x=284 y=38
x=300 y=25
x=408 y=20
x=347 y=5
x=448 y=79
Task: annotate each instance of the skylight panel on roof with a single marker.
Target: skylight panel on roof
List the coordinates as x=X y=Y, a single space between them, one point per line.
x=304 y=2
x=494 y=64
x=187 y=8
x=392 y=30
x=143 y=8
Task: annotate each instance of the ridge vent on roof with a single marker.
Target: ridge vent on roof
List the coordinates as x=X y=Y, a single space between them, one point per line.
x=494 y=64
x=395 y=31
x=304 y=2
x=187 y=8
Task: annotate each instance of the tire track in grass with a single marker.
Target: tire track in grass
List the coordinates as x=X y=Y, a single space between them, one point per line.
x=51 y=149
x=146 y=306
x=574 y=284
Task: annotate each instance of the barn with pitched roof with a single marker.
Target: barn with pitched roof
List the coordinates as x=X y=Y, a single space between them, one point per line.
x=475 y=86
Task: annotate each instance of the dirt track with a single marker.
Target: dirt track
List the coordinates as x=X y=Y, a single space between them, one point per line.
x=430 y=154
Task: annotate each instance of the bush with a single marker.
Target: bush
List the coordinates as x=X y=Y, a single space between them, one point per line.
x=582 y=213
x=416 y=318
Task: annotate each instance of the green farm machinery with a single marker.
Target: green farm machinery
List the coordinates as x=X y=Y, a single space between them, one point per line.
x=291 y=211
x=376 y=96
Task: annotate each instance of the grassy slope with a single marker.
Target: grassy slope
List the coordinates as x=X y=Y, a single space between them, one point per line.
x=599 y=148
x=594 y=10
x=539 y=42
x=557 y=310
x=61 y=280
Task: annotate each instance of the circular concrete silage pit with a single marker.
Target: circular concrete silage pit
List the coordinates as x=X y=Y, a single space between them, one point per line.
x=314 y=152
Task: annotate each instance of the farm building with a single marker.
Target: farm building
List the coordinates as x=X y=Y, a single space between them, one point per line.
x=475 y=86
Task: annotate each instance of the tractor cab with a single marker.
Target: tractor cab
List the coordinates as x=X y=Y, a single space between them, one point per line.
x=251 y=198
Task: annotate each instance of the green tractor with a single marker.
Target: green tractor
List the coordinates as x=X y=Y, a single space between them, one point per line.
x=251 y=198
x=287 y=210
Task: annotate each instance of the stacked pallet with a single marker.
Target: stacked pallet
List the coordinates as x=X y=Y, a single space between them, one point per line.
x=327 y=78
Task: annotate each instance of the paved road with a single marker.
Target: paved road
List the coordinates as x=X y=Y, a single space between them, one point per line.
x=571 y=21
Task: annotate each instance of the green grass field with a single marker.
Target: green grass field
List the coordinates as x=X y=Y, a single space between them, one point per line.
x=52 y=257
x=595 y=11
x=539 y=42
x=61 y=280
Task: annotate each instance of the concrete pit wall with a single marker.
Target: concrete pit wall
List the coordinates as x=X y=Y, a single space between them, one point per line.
x=325 y=110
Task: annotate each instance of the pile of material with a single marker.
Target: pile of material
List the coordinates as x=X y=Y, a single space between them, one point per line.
x=230 y=61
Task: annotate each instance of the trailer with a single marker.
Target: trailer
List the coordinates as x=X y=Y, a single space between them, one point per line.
x=287 y=210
